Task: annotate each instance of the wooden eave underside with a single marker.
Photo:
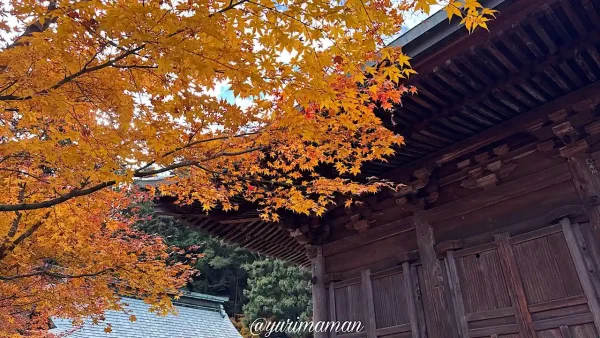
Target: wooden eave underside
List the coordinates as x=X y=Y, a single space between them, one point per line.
x=247 y=230
x=542 y=52
x=473 y=91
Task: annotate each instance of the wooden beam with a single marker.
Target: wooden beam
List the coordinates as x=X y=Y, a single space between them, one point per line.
x=508 y=128
x=588 y=255
x=456 y=293
x=418 y=297
x=319 y=294
x=367 y=289
x=440 y=312
x=514 y=282
x=582 y=271
x=410 y=301
x=587 y=182
x=332 y=314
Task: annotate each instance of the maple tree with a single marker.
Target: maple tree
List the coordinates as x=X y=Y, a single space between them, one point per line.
x=97 y=93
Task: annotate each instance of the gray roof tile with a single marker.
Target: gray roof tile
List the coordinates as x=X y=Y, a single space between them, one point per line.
x=189 y=322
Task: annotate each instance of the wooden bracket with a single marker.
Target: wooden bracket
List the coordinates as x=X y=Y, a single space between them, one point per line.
x=564 y=211
x=566 y=132
x=299 y=236
x=408 y=256
x=362 y=221
x=576 y=148
x=487 y=182
x=558 y=116
x=451 y=245
x=547 y=148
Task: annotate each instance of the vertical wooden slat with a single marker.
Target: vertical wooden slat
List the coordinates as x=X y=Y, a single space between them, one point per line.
x=582 y=272
x=414 y=276
x=367 y=288
x=332 y=314
x=515 y=286
x=587 y=182
x=433 y=279
x=564 y=331
x=319 y=295
x=457 y=298
x=594 y=251
x=410 y=301
x=587 y=258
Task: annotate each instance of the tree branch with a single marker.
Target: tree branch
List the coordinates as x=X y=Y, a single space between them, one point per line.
x=15 y=225
x=82 y=192
x=55 y=201
x=37 y=26
x=45 y=271
x=191 y=163
x=5 y=249
x=73 y=76
x=231 y=6
x=191 y=144
x=24 y=173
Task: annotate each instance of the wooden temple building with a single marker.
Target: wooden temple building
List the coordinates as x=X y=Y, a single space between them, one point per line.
x=497 y=231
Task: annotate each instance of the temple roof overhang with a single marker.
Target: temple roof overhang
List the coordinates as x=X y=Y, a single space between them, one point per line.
x=475 y=91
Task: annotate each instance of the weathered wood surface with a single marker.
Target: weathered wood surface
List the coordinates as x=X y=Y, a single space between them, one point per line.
x=582 y=271
x=410 y=301
x=434 y=281
x=456 y=293
x=587 y=182
x=319 y=293
x=331 y=312
x=367 y=289
x=515 y=286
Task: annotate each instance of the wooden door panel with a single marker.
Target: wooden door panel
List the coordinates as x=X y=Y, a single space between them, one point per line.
x=548 y=298
x=390 y=300
x=536 y=285
x=547 y=269
x=482 y=282
x=349 y=303
x=384 y=302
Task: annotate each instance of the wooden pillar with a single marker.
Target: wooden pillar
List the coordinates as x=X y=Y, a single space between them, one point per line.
x=367 y=289
x=587 y=182
x=332 y=313
x=582 y=271
x=459 y=306
x=508 y=263
x=319 y=293
x=410 y=301
x=440 y=325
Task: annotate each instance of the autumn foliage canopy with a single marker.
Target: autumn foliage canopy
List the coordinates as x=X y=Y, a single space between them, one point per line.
x=95 y=94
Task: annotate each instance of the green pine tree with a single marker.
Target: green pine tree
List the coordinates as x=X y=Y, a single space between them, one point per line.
x=277 y=291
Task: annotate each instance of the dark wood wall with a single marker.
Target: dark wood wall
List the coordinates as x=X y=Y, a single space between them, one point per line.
x=507 y=247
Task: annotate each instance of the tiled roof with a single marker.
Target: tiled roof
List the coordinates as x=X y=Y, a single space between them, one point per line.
x=191 y=321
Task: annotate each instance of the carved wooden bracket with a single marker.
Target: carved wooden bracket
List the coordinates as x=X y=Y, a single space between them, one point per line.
x=564 y=211
x=488 y=176
x=547 y=148
x=299 y=236
x=443 y=247
x=566 y=133
x=362 y=220
x=573 y=149
x=409 y=256
x=421 y=179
